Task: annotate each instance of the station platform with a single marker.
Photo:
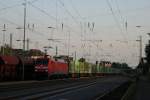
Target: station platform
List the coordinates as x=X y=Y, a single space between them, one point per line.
x=142 y=89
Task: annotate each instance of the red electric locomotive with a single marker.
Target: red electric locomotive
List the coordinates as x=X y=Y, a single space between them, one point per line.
x=46 y=68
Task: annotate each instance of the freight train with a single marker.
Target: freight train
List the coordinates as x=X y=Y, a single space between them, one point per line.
x=12 y=68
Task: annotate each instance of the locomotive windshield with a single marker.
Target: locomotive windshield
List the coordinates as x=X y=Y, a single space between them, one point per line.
x=42 y=61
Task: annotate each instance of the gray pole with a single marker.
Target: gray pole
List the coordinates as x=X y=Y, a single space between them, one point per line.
x=140 y=41
x=74 y=61
x=10 y=40
x=68 y=43
x=4 y=39
x=28 y=43
x=75 y=56
x=10 y=43
x=56 y=51
x=140 y=48
x=24 y=37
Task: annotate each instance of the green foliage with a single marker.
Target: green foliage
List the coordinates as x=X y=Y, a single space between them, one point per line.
x=120 y=65
x=6 y=50
x=34 y=52
x=82 y=60
x=146 y=66
x=147 y=51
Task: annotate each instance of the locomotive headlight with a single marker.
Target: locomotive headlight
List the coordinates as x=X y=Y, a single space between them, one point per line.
x=37 y=67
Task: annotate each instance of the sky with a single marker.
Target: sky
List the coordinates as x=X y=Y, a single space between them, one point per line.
x=94 y=29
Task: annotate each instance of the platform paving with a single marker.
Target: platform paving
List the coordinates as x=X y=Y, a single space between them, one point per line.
x=142 y=89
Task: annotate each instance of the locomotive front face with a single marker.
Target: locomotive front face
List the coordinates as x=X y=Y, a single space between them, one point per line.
x=41 y=65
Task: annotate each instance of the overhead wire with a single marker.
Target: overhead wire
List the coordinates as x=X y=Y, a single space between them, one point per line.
x=44 y=12
x=115 y=19
x=82 y=34
x=14 y=22
x=11 y=22
x=124 y=22
x=75 y=9
x=34 y=1
x=52 y=17
x=21 y=27
x=68 y=12
x=78 y=14
x=119 y=11
x=9 y=7
x=41 y=10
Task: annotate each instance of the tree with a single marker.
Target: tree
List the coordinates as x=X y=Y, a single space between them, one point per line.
x=146 y=65
x=34 y=52
x=120 y=65
x=147 y=51
x=6 y=50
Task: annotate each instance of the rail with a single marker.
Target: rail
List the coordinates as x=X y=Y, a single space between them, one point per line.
x=129 y=93
x=115 y=93
x=54 y=90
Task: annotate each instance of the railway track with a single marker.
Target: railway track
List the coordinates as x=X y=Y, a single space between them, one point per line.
x=36 y=84
x=38 y=87
x=115 y=93
x=55 y=91
x=114 y=89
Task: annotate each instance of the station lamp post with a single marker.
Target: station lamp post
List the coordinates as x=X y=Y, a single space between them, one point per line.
x=24 y=36
x=50 y=27
x=140 y=44
x=51 y=37
x=140 y=48
x=19 y=41
x=4 y=39
x=46 y=48
x=148 y=34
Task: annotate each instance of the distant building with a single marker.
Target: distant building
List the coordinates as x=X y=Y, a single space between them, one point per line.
x=105 y=63
x=64 y=57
